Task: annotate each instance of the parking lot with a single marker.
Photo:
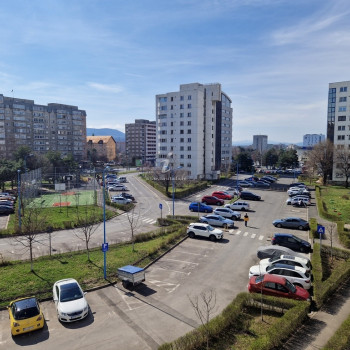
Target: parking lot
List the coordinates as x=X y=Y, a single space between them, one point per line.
x=159 y=310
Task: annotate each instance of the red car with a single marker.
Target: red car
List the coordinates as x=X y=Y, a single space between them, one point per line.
x=222 y=195
x=277 y=286
x=212 y=200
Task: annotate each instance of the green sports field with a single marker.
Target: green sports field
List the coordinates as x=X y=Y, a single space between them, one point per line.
x=69 y=198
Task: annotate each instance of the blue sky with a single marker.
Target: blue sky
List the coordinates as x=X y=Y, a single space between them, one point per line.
x=274 y=58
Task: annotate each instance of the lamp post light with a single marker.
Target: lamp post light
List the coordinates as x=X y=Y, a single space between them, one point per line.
x=19 y=198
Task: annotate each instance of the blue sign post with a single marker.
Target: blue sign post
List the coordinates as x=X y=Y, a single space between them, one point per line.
x=321 y=230
x=105 y=247
x=161 y=212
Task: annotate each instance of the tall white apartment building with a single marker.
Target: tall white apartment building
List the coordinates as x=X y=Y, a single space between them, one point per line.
x=338 y=119
x=310 y=140
x=194 y=127
x=55 y=127
x=260 y=143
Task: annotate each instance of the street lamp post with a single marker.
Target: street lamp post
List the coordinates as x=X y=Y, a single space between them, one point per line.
x=19 y=198
x=104 y=225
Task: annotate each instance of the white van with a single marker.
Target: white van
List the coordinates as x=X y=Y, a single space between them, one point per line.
x=122 y=179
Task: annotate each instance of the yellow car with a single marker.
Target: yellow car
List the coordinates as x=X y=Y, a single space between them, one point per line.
x=25 y=315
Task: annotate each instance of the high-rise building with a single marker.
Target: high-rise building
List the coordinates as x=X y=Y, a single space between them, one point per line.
x=140 y=142
x=55 y=127
x=310 y=140
x=194 y=130
x=338 y=120
x=260 y=143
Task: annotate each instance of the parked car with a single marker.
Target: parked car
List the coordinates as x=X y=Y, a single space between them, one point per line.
x=292 y=222
x=204 y=230
x=249 y=195
x=298 y=192
x=127 y=195
x=273 y=251
x=294 y=199
x=25 y=315
x=277 y=286
x=212 y=200
x=294 y=274
x=288 y=260
x=262 y=184
x=6 y=210
x=228 y=213
x=217 y=220
x=238 y=205
x=246 y=183
x=221 y=195
x=120 y=200
x=269 y=178
x=117 y=188
x=69 y=300
x=296 y=184
x=290 y=241
x=236 y=187
x=122 y=179
x=233 y=191
x=198 y=206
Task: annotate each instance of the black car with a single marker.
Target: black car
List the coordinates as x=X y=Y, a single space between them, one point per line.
x=249 y=195
x=127 y=196
x=6 y=210
x=292 y=242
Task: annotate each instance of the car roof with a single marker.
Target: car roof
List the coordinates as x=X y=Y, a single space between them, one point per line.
x=289 y=267
x=65 y=281
x=274 y=278
x=199 y=223
x=25 y=303
x=283 y=234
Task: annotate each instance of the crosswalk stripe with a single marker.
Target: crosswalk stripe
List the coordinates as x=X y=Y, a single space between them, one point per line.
x=245 y=234
x=253 y=235
x=261 y=237
x=238 y=232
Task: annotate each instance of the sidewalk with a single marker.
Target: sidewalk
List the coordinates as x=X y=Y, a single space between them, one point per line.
x=321 y=326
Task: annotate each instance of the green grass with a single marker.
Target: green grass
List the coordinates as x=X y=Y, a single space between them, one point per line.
x=61 y=218
x=17 y=280
x=337 y=200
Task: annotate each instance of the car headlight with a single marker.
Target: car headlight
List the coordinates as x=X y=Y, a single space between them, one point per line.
x=63 y=313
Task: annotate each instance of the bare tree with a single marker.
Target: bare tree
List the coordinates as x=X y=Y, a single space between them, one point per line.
x=320 y=158
x=134 y=223
x=342 y=160
x=331 y=227
x=32 y=223
x=204 y=306
x=88 y=223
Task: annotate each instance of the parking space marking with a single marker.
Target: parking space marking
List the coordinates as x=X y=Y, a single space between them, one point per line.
x=129 y=299
x=245 y=234
x=162 y=268
x=182 y=251
x=238 y=232
x=169 y=287
x=261 y=237
x=253 y=235
x=181 y=261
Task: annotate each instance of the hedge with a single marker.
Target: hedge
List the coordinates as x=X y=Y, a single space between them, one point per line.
x=233 y=318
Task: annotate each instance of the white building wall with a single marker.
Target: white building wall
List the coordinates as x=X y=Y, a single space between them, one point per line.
x=310 y=140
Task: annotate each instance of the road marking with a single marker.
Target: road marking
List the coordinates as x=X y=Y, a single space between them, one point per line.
x=261 y=237
x=182 y=251
x=245 y=234
x=253 y=235
x=238 y=232
x=188 y=262
x=169 y=287
x=162 y=268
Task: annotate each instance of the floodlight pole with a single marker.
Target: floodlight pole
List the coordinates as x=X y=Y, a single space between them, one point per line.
x=19 y=198
x=104 y=224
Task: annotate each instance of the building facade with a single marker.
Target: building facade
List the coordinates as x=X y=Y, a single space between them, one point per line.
x=55 y=127
x=140 y=142
x=310 y=140
x=103 y=146
x=194 y=130
x=338 y=120
x=260 y=143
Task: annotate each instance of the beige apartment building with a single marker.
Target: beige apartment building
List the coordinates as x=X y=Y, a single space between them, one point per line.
x=104 y=146
x=55 y=127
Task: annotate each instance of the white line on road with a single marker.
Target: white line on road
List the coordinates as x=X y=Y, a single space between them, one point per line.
x=188 y=262
x=253 y=235
x=162 y=268
x=238 y=232
x=261 y=237
x=245 y=234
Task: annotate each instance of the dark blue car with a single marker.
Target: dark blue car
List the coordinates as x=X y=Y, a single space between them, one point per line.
x=198 y=206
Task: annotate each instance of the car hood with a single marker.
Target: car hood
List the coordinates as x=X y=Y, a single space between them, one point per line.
x=302 y=293
x=257 y=270
x=72 y=306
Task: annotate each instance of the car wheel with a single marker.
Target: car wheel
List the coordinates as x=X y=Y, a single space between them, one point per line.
x=191 y=209
x=242 y=208
x=212 y=238
x=279 y=225
x=206 y=211
x=225 y=226
x=300 y=227
x=191 y=235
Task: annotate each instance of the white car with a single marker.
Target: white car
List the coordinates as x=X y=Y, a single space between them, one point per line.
x=296 y=199
x=228 y=213
x=121 y=200
x=288 y=260
x=69 y=300
x=294 y=274
x=238 y=205
x=117 y=188
x=204 y=230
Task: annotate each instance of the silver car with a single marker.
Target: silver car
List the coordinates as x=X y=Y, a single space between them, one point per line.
x=216 y=220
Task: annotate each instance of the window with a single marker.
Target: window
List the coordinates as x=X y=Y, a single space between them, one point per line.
x=341 y=127
x=342 y=109
x=342 y=99
x=341 y=137
x=189 y=97
x=344 y=89
x=341 y=118
x=188 y=148
x=189 y=131
x=189 y=140
x=181 y=106
x=171 y=123
x=171 y=140
x=181 y=156
x=182 y=140
x=163 y=108
x=181 y=123
x=171 y=99
x=189 y=114
x=181 y=131
x=189 y=156
x=171 y=107
x=162 y=99
x=189 y=122
x=181 y=115
x=189 y=165
x=181 y=148
x=181 y=98
x=189 y=105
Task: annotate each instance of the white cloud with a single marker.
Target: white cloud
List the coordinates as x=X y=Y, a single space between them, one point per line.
x=106 y=88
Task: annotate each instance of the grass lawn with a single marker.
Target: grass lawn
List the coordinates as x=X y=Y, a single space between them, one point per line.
x=17 y=280
x=337 y=200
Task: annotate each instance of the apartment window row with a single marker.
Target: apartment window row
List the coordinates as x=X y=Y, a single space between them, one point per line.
x=341 y=118
x=342 y=99
x=344 y=89
x=342 y=109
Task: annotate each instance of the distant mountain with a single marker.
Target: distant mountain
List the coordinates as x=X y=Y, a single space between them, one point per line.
x=117 y=135
x=245 y=143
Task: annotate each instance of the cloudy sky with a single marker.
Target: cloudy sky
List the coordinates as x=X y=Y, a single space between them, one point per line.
x=274 y=58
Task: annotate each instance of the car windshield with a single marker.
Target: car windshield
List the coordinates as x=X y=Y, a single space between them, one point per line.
x=259 y=279
x=291 y=286
x=210 y=228
x=69 y=292
x=24 y=309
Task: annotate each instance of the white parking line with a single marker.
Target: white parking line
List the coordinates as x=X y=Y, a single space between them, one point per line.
x=188 y=262
x=182 y=251
x=261 y=237
x=253 y=235
x=245 y=234
x=238 y=232
x=162 y=268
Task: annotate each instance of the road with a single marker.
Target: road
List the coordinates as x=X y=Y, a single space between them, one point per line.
x=160 y=310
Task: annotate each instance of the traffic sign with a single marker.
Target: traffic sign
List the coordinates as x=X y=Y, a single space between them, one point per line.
x=160 y=206
x=105 y=247
x=321 y=230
